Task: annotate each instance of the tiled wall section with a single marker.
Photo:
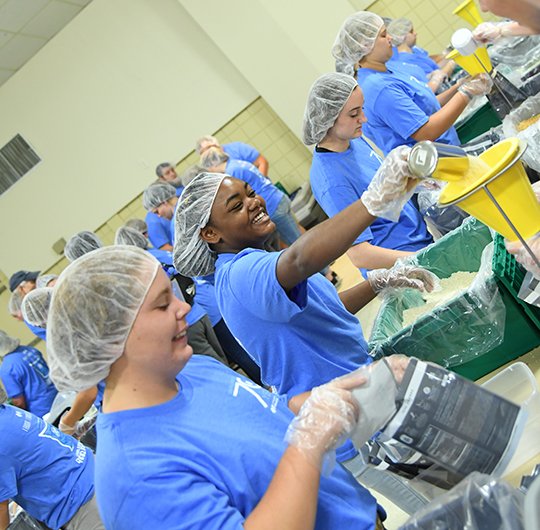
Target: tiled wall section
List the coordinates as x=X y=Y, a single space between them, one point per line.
x=257 y=125
x=433 y=19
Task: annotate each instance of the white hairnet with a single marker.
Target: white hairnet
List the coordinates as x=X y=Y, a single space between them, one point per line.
x=326 y=99
x=356 y=37
x=138 y=224
x=157 y=194
x=192 y=255
x=94 y=305
x=190 y=173
x=43 y=280
x=344 y=68
x=205 y=142
x=213 y=156
x=80 y=244
x=130 y=236
x=398 y=30
x=14 y=303
x=7 y=344
x=35 y=306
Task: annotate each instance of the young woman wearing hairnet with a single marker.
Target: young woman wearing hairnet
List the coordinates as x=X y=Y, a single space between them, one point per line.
x=400 y=109
x=343 y=166
x=288 y=318
x=184 y=442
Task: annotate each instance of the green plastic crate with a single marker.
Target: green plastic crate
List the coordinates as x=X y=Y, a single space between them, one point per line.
x=479 y=122
x=447 y=329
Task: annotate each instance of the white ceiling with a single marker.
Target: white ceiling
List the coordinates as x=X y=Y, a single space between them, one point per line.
x=26 y=25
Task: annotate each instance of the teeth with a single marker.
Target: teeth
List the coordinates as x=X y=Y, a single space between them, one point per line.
x=258 y=217
x=180 y=335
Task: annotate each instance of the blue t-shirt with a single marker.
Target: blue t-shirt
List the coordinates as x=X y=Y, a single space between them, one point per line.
x=40 y=333
x=159 y=230
x=396 y=106
x=48 y=473
x=25 y=372
x=259 y=183
x=406 y=67
x=174 y=466
x=423 y=61
x=241 y=151
x=205 y=293
x=339 y=179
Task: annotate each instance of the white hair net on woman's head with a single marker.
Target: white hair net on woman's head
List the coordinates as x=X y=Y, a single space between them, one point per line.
x=94 y=305
x=43 y=280
x=192 y=255
x=398 y=30
x=190 y=173
x=35 y=306
x=356 y=37
x=326 y=98
x=80 y=244
x=7 y=344
x=138 y=224
x=157 y=194
x=212 y=157
x=14 y=303
x=130 y=236
x=204 y=142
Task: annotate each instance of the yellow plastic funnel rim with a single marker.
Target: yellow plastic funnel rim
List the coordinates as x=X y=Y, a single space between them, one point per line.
x=506 y=151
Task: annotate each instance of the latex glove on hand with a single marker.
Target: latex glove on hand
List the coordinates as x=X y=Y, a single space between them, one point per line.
x=391 y=187
x=523 y=257
x=398 y=364
x=487 y=32
x=402 y=276
x=68 y=429
x=437 y=76
x=326 y=418
x=479 y=85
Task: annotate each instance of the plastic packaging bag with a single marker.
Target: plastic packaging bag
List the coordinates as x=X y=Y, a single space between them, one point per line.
x=479 y=502
x=460 y=329
x=531 y=134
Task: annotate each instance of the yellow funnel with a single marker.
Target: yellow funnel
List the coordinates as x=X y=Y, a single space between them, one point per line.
x=501 y=172
x=469 y=12
x=472 y=64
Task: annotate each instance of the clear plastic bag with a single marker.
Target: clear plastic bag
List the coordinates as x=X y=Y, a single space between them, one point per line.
x=459 y=330
x=531 y=134
x=479 y=502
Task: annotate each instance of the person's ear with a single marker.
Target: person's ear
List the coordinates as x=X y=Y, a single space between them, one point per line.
x=210 y=235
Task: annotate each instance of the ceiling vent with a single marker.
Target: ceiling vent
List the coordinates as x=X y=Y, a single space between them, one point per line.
x=16 y=159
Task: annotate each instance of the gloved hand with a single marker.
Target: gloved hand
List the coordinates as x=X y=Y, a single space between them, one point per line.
x=327 y=417
x=398 y=364
x=523 y=257
x=479 y=85
x=437 y=76
x=402 y=276
x=536 y=189
x=391 y=187
x=68 y=429
x=487 y=32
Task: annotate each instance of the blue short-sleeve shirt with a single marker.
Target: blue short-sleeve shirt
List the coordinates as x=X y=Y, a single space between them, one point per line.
x=174 y=466
x=339 y=179
x=396 y=105
x=25 y=372
x=48 y=473
x=421 y=60
x=159 y=230
x=241 y=151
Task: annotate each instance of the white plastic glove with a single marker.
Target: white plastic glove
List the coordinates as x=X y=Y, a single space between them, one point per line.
x=437 y=76
x=402 y=276
x=326 y=418
x=68 y=429
x=523 y=257
x=479 y=85
x=487 y=32
x=536 y=189
x=391 y=187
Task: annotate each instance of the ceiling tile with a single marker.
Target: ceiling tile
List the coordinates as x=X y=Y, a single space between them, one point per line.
x=51 y=20
x=18 y=50
x=14 y=14
x=5 y=75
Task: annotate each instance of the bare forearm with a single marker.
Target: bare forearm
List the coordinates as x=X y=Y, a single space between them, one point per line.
x=81 y=405
x=368 y=256
x=166 y=246
x=322 y=244
x=291 y=498
x=443 y=119
x=262 y=165
x=447 y=95
x=296 y=402
x=19 y=402
x=357 y=297
x=4 y=515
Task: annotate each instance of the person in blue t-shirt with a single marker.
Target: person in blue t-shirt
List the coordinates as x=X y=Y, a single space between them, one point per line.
x=25 y=376
x=191 y=443
x=288 y=318
x=49 y=474
x=343 y=166
x=401 y=110
x=235 y=150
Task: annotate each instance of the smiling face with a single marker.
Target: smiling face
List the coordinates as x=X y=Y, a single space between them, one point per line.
x=158 y=340
x=238 y=219
x=382 y=49
x=348 y=124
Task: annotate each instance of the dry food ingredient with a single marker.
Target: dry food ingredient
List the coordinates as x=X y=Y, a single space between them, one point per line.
x=522 y=125
x=450 y=287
